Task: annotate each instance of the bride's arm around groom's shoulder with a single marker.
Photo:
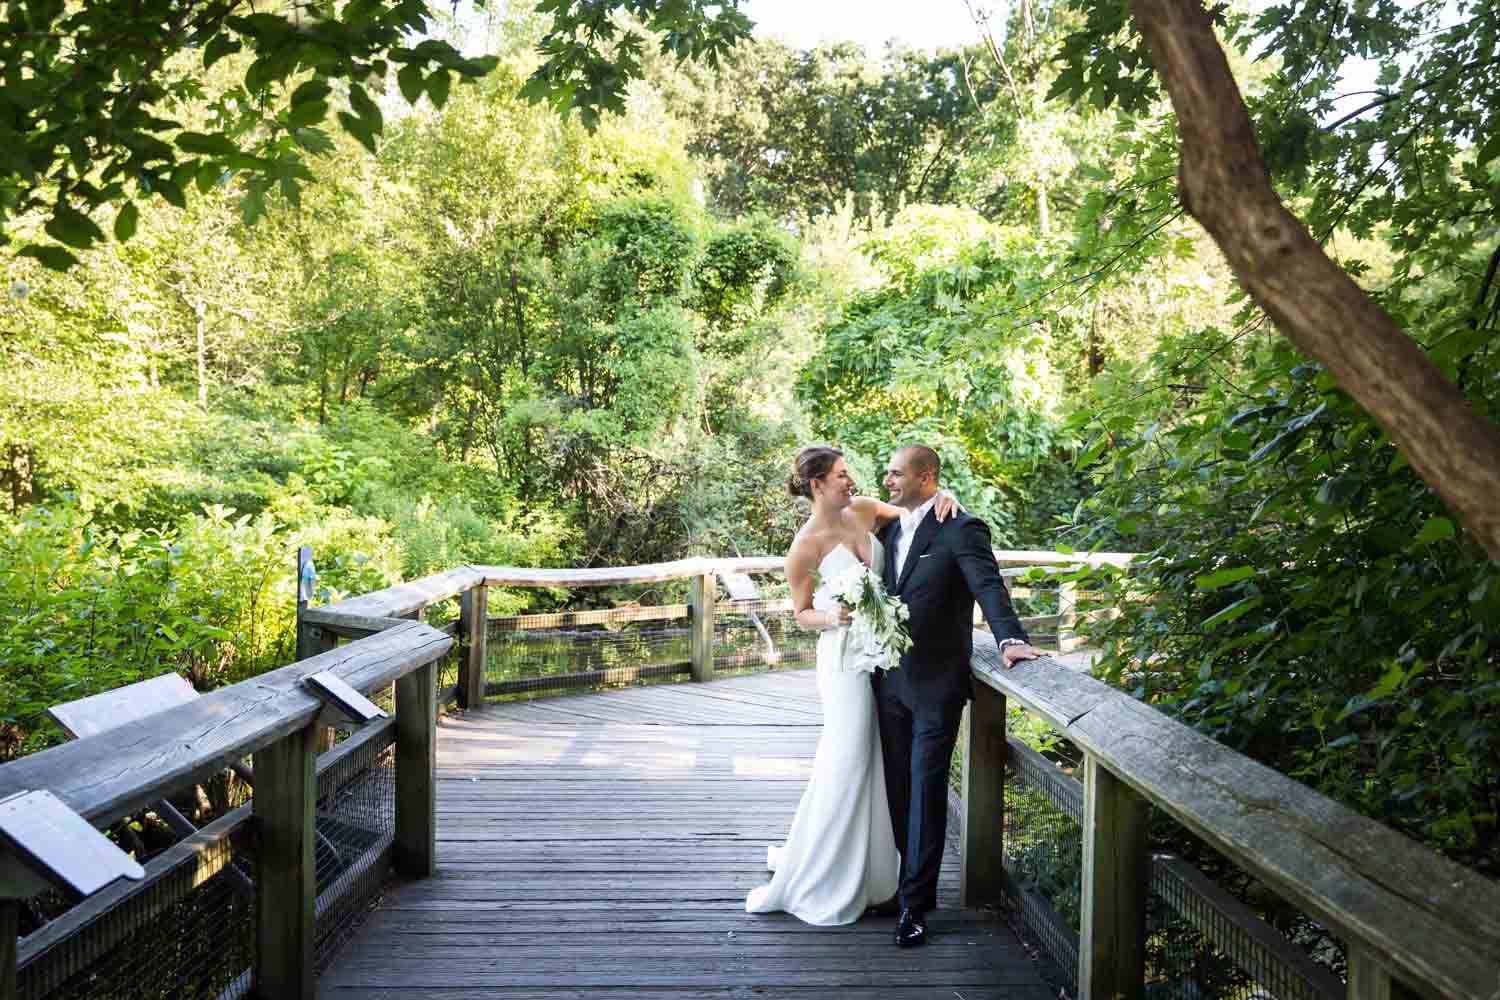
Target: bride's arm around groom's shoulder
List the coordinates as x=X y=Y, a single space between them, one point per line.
x=875 y=514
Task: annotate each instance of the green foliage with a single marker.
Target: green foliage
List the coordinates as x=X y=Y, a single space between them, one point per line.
x=792 y=133
x=1307 y=599
x=94 y=101
x=90 y=608
x=934 y=357
x=591 y=54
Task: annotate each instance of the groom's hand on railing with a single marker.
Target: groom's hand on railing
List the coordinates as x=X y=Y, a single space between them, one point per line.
x=1014 y=652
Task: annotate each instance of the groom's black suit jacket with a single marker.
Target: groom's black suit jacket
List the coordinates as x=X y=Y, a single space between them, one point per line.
x=949 y=569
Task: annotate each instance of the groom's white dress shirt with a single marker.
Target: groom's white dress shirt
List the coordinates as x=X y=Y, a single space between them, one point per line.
x=909 y=522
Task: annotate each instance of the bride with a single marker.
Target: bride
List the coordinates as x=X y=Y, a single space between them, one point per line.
x=840 y=856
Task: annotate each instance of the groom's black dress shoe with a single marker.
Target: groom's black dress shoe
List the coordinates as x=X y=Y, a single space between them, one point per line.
x=912 y=929
x=890 y=908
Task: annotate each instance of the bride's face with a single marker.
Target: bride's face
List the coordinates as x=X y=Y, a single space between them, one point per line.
x=836 y=486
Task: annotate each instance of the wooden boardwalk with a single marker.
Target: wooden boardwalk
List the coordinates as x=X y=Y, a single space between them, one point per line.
x=602 y=845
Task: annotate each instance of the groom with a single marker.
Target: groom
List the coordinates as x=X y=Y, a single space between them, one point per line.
x=940 y=571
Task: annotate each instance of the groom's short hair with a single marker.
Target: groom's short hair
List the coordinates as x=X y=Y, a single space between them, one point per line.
x=924 y=459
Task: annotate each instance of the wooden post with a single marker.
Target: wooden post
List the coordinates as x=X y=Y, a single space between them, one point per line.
x=1370 y=979
x=1116 y=881
x=982 y=838
x=10 y=930
x=286 y=871
x=1067 y=616
x=705 y=590
x=472 y=616
x=415 y=846
x=304 y=580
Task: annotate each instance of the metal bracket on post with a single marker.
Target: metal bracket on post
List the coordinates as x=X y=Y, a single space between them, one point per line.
x=49 y=846
x=45 y=845
x=330 y=687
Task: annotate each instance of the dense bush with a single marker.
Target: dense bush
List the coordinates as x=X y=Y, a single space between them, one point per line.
x=1304 y=597
x=90 y=607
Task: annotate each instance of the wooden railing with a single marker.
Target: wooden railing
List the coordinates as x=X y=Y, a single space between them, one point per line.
x=1412 y=921
x=272 y=719
x=319 y=628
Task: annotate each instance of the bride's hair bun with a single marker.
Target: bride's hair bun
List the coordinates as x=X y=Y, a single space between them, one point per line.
x=811 y=463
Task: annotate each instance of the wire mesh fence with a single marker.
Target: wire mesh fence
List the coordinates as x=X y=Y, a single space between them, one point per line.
x=760 y=635
x=356 y=811
x=187 y=931
x=1202 y=943
x=530 y=654
x=590 y=649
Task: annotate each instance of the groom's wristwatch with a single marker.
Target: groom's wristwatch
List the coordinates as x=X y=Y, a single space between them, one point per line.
x=1012 y=641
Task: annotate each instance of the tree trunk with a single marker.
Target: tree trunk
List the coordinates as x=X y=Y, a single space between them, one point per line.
x=17 y=474
x=1223 y=184
x=202 y=333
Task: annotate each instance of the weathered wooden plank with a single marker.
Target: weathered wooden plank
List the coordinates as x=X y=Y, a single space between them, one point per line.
x=702 y=595
x=286 y=794
x=415 y=851
x=1116 y=881
x=982 y=831
x=473 y=625
x=661 y=971
x=350 y=626
x=404 y=598
x=107 y=776
x=937 y=990
x=611 y=576
x=1434 y=921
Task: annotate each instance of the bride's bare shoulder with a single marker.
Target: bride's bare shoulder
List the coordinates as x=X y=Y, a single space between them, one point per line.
x=808 y=549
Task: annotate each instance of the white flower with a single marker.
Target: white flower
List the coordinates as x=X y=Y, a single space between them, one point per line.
x=876 y=637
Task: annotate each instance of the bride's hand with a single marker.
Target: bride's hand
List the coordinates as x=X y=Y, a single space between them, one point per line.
x=947 y=506
x=840 y=617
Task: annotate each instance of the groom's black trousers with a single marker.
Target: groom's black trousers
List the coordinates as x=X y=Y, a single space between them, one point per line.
x=917 y=744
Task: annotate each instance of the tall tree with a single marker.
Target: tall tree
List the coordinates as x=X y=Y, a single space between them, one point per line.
x=794 y=133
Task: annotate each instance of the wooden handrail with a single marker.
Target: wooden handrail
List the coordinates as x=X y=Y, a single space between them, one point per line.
x=1433 y=922
x=405 y=598
x=113 y=774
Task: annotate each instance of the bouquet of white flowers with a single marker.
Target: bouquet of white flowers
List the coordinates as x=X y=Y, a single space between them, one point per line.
x=877 y=636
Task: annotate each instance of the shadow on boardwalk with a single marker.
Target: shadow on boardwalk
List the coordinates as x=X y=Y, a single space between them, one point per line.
x=602 y=846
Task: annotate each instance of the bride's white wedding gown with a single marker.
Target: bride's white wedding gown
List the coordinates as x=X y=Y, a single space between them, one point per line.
x=840 y=855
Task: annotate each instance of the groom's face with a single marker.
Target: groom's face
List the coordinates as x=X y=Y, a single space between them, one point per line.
x=903 y=485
